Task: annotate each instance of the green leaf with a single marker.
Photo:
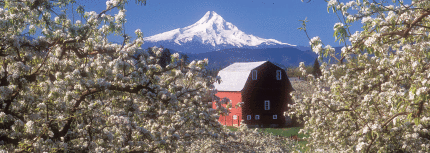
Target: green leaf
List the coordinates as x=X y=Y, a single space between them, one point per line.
x=409 y=116
x=416 y=121
x=413 y=89
x=375 y=133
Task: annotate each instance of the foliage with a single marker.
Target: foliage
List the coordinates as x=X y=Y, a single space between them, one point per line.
x=214 y=71
x=184 y=59
x=70 y=89
x=316 y=71
x=303 y=87
x=294 y=71
x=380 y=101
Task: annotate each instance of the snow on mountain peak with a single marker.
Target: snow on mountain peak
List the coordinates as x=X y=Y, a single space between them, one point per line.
x=210 y=15
x=212 y=30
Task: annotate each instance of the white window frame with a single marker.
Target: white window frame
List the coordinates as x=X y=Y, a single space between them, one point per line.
x=275 y=117
x=254 y=74
x=278 y=74
x=234 y=117
x=248 y=117
x=267 y=105
x=257 y=117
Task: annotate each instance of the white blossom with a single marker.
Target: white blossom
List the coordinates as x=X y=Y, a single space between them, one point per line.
x=337 y=25
x=2 y=115
x=175 y=55
x=414 y=64
x=120 y=15
x=317 y=49
x=370 y=41
x=315 y=40
x=360 y=146
x=41 y=105
x=332 y=3
x=29 y=126
x=366 y=19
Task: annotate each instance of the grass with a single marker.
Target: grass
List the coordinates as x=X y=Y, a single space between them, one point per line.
x=288 y=132
x=284 y=132
x=232 y=128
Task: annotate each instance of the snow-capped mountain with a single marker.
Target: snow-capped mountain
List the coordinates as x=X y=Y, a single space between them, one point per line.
x=210 y=33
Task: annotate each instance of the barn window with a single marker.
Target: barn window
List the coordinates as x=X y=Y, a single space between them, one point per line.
x=254 y=74
x=235 y=117
x=267 y=105
x=275 y=117
x=248 y=117
x=278 y=74
x=257 y=117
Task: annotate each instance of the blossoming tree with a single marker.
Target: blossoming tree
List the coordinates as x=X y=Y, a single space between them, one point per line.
x=70 y=89
x=380 y=103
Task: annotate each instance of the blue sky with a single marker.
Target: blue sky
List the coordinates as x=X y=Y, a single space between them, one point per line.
x=275 y=19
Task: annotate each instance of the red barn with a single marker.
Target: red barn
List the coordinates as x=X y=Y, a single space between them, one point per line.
x=264 y=89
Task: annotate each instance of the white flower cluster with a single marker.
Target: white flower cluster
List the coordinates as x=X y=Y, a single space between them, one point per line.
x=111 y=3
x=376 y=100
x=316 y=44
x=329 y=49
x=29 y=126
x=370 y=41
x=337 y=26
x=332 y=3
x=315 y=40
x=120 y=17
x=366 y=19
x=2 y=115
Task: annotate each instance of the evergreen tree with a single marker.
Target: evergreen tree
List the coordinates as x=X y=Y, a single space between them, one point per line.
x=165 y=58
x=151 y=51
x=316 y=71
x=184 y=59
x=214 y=71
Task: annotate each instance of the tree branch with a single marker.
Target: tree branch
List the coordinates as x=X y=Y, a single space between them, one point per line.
x=391 y=118
x=67 y=126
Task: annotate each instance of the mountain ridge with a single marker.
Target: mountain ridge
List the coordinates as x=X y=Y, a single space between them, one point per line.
x=210 y=33
x=223 y=44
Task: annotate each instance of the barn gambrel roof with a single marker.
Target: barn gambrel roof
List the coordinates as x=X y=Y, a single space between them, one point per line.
x=234 y=77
